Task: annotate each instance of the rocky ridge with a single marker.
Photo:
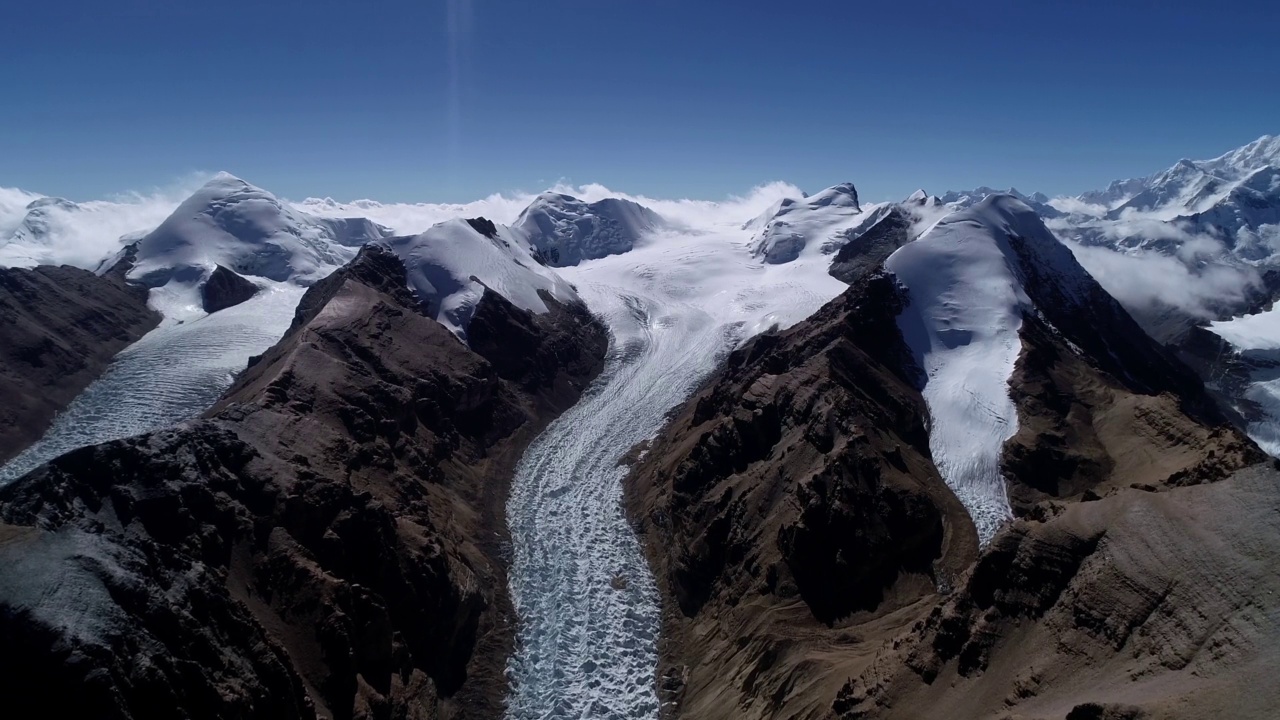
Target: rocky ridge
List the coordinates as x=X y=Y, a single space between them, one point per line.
x=327 y=540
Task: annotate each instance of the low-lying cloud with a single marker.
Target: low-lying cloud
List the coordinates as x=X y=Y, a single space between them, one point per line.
x=1150 y=281
x=81 y=234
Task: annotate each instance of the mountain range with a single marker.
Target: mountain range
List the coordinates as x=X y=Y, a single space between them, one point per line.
x=805 y=456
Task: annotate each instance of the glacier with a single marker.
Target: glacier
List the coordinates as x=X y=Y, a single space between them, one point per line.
x=675 y=305
x=171 y=374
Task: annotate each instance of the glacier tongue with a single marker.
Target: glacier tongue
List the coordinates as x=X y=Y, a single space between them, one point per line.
x=962 y=325
x=173 y=373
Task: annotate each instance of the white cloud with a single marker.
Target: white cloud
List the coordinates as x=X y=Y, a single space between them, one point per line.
x=1148 y=280
x=13 y=206
x=1077 y=206
x=412 y=218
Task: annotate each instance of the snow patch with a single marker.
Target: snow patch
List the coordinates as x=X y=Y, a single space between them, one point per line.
x=450 y=265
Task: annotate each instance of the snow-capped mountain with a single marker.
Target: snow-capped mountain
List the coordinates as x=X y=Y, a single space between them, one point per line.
x=565 y=230
x=231 y=223
x=1246 y=219
x=453 y=264
x=820 y=223
x=973 y=280
x=1190 y=186
x=37 y=225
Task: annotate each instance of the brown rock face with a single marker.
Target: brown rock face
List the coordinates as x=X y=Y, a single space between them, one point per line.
x=326 y=541
x=1100 y=405
x=790 y=510
x=59 y=329
x=1139 y=605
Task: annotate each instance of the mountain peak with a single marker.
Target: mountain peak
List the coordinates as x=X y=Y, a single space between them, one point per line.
x=565 y=230
x=826 y=216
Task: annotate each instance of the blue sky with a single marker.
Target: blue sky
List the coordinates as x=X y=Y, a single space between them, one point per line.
x=449 y=100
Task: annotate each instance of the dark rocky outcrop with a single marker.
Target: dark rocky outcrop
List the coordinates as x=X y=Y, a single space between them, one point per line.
x=59 y=329
x=225 y=289
x=327 y=540
x=1100 y=404
x=863 y=254
x=484 y=226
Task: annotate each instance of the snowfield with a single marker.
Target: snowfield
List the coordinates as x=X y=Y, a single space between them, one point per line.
x=247 y=229
x=1257 y=338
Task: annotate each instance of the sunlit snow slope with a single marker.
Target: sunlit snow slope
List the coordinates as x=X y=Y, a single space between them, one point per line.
x=962 y=325
x=587 y=605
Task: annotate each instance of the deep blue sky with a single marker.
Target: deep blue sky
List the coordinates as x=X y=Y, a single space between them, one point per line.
x=661 y=97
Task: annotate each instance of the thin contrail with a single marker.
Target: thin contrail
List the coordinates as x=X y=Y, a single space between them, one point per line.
x=458 y=24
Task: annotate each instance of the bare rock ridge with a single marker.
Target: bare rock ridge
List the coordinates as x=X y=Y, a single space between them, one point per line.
x=327 y=540
x=795 y=492
x=225 y=289
x=813 y=563
x=861 y=256
x=59 y=329
x=1100 y=404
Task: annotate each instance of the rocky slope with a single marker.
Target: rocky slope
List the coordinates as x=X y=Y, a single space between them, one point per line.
x=59 y=329
x=796 y=521
x=327 y=540
x=792 y=507
x=1135 y=606
x=225 y=289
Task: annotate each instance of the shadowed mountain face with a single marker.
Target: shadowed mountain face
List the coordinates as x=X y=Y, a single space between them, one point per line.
x=326 y=540
x=59 y=329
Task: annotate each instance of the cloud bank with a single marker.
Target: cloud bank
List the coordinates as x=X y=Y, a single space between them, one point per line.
x=413 y=218
x=85 y=233
x=1150 y=281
